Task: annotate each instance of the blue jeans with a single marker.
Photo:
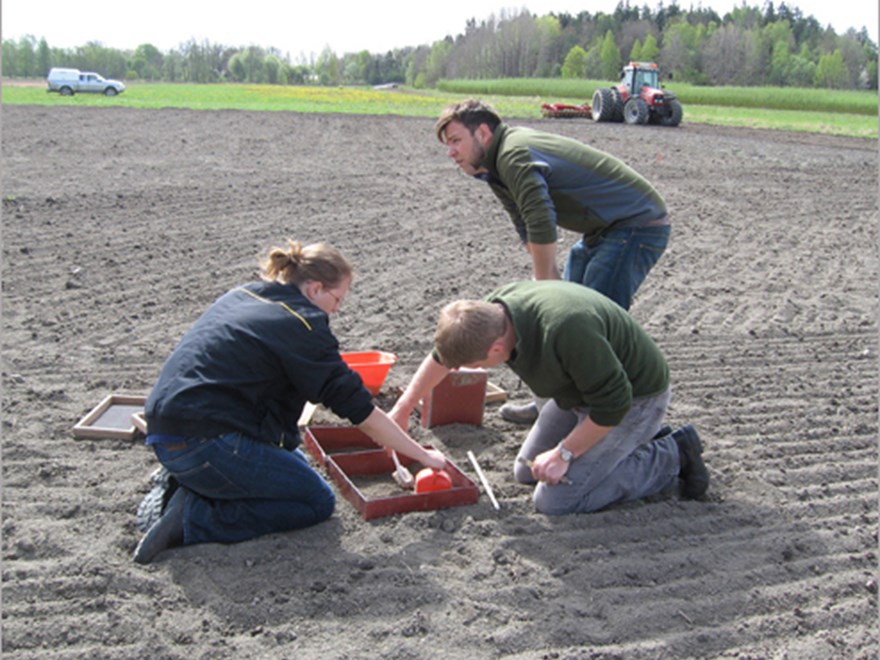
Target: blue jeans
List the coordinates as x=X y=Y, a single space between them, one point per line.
x=617 y=264
x=627 y=464
x=238 y=488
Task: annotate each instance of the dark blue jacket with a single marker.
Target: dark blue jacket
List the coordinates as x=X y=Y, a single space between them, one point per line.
x=249 y=364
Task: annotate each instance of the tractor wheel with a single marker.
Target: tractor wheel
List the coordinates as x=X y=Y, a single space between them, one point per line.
x=617 y=115
x=675 y=114
x=603 y=105
x=635 y=111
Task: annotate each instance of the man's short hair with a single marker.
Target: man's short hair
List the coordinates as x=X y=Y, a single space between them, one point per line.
x=471 y=113
x=466 y=330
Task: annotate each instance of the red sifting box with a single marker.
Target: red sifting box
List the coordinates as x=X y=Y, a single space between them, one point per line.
x=320 y=441
x=348 y=454
x=457 y=399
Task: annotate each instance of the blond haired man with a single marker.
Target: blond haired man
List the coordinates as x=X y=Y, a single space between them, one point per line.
x=600 y=438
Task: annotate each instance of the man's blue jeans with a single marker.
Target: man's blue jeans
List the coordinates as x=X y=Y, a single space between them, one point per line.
x=238 y=488
x=617 y=264
x=629 y=463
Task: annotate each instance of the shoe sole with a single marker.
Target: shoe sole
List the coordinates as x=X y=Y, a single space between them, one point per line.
x=519 y=420
x=525 y=414
x=153 y=505
x=164 y=536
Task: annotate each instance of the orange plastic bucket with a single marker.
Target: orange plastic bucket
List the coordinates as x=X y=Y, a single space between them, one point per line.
x=372 y=366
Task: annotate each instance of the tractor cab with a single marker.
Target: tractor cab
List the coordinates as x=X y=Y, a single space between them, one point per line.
x=636 y=76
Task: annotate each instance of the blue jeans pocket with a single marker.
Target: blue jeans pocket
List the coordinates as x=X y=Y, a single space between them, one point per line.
x=208 y=481
x=200 y=467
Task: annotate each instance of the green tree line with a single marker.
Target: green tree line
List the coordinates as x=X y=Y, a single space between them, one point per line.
x=749 y=46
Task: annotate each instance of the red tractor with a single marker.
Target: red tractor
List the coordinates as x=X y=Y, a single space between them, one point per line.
x=638 y=99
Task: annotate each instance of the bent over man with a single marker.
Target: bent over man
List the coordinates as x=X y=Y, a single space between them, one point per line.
x=600 y=438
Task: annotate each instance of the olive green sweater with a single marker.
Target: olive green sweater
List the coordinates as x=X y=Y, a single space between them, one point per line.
x=546 y=180
x=581 y=349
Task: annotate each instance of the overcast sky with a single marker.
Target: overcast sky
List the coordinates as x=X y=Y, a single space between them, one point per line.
x=308 y=26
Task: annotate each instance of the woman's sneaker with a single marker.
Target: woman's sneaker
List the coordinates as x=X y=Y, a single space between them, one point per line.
x=153 y=505
x=166 y=533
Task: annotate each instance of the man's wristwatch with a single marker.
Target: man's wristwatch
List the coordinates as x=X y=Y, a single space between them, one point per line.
x=564 y=453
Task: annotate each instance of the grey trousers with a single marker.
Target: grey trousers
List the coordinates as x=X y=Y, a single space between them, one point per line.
x=627 y=464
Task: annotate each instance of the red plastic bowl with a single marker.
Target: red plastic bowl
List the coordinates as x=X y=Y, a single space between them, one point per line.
x=373 y=367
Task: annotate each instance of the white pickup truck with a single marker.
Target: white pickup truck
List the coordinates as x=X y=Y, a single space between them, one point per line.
x=68 y=82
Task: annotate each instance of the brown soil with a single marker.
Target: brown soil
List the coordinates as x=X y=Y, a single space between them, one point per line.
x=120 y=226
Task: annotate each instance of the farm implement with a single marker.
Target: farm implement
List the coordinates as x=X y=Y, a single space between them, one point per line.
x=566 y=111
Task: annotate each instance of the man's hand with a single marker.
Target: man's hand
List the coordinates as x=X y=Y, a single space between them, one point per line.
x=427 y=376
x=549 y=467
x=543 y=261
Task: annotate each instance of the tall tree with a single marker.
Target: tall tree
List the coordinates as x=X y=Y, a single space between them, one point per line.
x=436 y=62
x=635 y=54
x=855 y=57
x=44 y=57
x=548 y=32
x=274 y=70
x=593 y=65
x=631 y=32
x=27 y=57
x=147 y=62
x=575 y=65
x=172 y=66
x=254 y=57
x=780 y=64
x=327 y=67
x=236 y=68
x=724 y=55
x=831 y=71
x=196 y=62
x=611 y=58
x=10 y=59
x=801 y=71
x=679 y=54
x=650 y=50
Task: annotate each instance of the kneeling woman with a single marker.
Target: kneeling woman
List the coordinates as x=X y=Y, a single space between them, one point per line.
x=222 y=417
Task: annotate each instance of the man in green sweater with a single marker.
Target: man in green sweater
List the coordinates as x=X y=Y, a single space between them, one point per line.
x=600 y=438
x=545 y=181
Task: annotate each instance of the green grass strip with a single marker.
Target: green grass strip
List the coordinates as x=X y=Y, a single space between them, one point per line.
x=428 y=103
x=772 y=98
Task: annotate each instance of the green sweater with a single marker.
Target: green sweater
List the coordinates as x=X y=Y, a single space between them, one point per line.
x=581 y=349
x=545 y=180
